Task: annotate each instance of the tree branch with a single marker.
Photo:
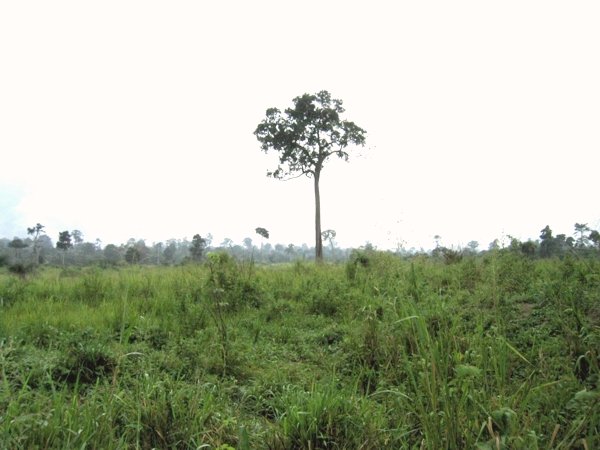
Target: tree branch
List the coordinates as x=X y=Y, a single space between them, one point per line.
x=297 y=176
x=288 y=178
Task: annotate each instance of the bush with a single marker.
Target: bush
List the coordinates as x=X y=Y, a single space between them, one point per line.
x=235 y=288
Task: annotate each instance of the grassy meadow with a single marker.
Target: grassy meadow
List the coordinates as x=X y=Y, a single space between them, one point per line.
x=496 y=351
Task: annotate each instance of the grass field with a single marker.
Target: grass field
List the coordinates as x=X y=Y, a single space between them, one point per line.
x=491 y=352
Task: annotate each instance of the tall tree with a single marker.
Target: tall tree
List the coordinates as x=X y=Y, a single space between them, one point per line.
x=581 y=229
x=35 y=232
x=197 y=247
x=64 y=243
x=305 y=136
x=547 y=242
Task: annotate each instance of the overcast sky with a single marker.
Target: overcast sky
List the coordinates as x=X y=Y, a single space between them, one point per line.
x=135 y=118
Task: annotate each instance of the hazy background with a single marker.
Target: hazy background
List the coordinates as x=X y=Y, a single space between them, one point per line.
x=135 y=118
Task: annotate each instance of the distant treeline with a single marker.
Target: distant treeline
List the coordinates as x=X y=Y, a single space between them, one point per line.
x=72 y=249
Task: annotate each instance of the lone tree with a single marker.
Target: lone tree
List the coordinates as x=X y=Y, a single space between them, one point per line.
x=305 y=136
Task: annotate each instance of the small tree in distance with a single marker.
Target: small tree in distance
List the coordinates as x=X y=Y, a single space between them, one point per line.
x=35 y=232
x=132 y=255
x=17 y=245
x=472 y=246
x=581 y=229
x=112 y=255
x=77 y=237
x=329 y=235
x=264 y=234
x=197 y=248
x=64 y=243
x=305 y=136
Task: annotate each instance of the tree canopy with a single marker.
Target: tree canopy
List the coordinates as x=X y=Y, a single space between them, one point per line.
x=64 y=241
x=262 y=232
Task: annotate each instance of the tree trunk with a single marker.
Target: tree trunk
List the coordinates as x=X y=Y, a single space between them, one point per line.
x=318 y=237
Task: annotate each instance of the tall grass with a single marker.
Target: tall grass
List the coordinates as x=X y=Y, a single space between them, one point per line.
x=490 y=352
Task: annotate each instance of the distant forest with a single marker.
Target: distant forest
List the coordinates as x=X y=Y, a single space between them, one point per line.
x=71 y=249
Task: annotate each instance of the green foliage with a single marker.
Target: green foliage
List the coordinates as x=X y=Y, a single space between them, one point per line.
x=307 y=134
x=263 y=232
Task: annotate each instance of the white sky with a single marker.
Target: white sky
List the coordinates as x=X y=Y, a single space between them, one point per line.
x=136 y=118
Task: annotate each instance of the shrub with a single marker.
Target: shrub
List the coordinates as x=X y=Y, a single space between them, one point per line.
x=233 y=287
